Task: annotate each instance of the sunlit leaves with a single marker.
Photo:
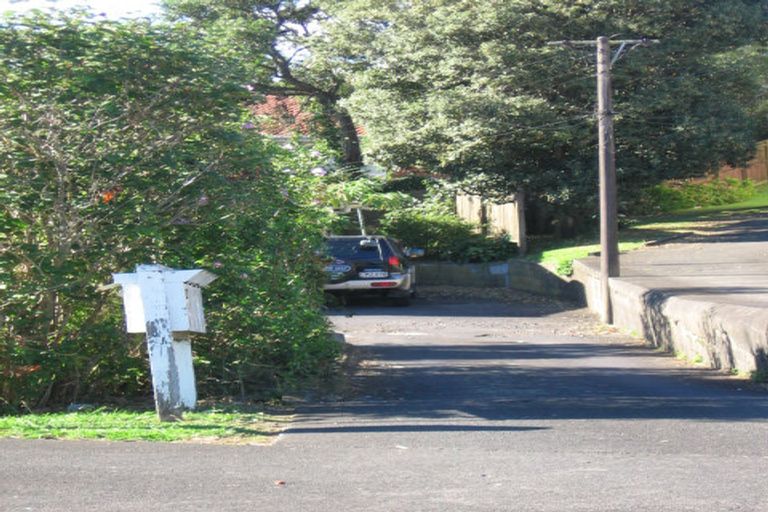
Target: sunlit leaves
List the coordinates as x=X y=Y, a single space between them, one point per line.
x=472 y=88
x=111 y=135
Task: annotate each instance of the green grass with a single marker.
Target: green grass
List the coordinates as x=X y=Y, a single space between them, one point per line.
x=758 y=201
x=692 y=218
x=213 y=425
x=560 y=254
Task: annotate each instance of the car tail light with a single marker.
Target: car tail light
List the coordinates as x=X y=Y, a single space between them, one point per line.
x=383 y=284
x=394 y=261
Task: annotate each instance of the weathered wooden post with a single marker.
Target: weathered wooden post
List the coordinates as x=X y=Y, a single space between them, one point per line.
x=167 y=305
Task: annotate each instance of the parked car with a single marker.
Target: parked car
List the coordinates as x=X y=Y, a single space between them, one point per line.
x=369 y=265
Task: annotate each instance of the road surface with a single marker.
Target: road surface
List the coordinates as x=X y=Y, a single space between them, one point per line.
x=458 y=405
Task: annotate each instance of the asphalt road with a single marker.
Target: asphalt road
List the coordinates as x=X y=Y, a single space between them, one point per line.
x=465 y=405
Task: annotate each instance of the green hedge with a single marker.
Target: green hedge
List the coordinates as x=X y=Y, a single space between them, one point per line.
x=124 y=144
x=444 y=236
x=672 y=197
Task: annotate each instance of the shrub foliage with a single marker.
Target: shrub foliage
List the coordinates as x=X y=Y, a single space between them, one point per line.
x=444 y=236
x=668 y=197
x=123 y=144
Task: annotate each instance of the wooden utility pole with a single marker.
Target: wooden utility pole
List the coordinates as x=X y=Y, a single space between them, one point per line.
x=609 y=225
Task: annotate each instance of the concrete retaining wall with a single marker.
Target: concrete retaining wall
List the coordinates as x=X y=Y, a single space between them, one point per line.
x=722 y=336
x=517 y=274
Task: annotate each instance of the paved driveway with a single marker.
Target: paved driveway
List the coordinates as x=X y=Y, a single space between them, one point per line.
x=462 y=405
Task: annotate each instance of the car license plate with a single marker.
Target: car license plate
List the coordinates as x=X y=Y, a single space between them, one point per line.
x=370 y=274
x=338 y=269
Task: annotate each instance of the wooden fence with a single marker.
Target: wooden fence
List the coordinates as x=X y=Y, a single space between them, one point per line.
x=755 y=170
x=494 y=218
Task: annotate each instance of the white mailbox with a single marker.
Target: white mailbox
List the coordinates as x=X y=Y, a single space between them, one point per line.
x=183 y=293
x=167 y=305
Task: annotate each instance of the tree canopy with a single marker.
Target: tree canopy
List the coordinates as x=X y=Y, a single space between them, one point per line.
x=473 y=90
x=279 y=36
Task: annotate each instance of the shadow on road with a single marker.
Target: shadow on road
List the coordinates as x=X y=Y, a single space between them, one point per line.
x=753 y=228
x=490 y=350
x=377 y=306
x=500 y=382
x=425 y=427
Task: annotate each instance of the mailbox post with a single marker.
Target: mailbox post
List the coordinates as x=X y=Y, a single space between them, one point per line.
x=167 y=305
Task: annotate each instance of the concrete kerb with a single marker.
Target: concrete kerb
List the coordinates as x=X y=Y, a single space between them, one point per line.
x=722 y=336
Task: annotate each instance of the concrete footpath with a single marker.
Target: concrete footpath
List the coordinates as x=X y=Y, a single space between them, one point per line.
x=703 y=296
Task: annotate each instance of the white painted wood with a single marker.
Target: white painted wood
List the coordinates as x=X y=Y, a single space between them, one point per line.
x=178 y=308
x=132 y=303
x=185 y=299
x=167 y=305
x=182 y=351
x=162 y=360
x=194 y=301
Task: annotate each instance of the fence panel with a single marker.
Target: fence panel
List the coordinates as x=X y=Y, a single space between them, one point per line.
x=470 y=208
x=495 y=218
x=755 y=170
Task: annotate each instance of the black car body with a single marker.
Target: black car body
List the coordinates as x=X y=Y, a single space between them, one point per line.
x=368 y=265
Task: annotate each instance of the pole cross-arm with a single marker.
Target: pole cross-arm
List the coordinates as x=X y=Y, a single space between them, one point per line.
x=611 y=42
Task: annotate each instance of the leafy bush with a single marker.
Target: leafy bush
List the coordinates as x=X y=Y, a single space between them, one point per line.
x=123 y=144
x=564 y=268
x=671 y=197
x=444 y=236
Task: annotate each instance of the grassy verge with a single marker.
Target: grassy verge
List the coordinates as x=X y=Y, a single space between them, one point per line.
x=223 y=425
x=559 y=255
x=691 y=219
x=561 y=258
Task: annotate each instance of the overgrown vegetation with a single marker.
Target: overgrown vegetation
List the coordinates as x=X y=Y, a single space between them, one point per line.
x=669 y=197
x=277 y=35
x=444 y=236
x=473 y=91
x=122 y=144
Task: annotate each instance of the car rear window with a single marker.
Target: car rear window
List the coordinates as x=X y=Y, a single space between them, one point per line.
x=351 y=249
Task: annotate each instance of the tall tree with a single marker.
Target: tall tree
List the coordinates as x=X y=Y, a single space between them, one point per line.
x=290 y=67
x=472 y=89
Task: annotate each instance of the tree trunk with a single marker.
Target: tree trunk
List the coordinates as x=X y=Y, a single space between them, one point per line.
x=349 y=140
x=346 y=132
